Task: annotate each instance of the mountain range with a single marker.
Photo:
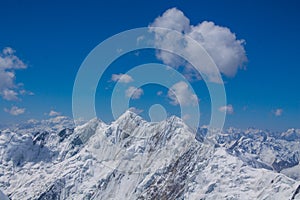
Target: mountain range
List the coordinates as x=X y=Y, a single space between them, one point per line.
x=135 y=159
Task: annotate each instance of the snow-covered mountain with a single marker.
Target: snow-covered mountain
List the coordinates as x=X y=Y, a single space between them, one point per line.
x=134 y=159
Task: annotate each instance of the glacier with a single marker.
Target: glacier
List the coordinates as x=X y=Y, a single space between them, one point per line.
x=135 y=159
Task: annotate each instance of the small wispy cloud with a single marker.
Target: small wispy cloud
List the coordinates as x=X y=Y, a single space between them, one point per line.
x=119 y=50
x=159 y=93
x=186 y=117
x=122 y=78
x=25 y=92
x=54 y=113
x=15 y=110
x=9 y=95
x=278 y=112
x=139 y=39
x=228 y=109
x=134 y=93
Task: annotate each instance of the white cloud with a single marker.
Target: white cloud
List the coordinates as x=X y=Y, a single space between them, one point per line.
x=180 y=93
x=9 y=95
x=134 y=93
x=136 y=110
x=139 y=39
x=8 y=51
x=9 y=63
x=228 y=109
x=278 y=112
x=15 y=110
x=54 y=113
x=221 y=44
x=186 y=117
x=123 y=78
x=25 y=92
x=119 y=50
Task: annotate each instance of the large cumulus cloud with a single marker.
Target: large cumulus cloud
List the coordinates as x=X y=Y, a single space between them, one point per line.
x=221 y=44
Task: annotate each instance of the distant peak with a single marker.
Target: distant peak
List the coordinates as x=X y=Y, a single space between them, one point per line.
x=93 y=123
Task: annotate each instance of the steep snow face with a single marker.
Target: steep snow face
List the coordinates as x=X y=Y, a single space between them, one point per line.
x=133 y=145
x=135 y=159
x=293 y=172
x=226 y=177
x=3 y=196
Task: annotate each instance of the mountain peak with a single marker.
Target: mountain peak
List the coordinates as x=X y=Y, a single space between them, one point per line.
x=175 y=118
x=129 y=116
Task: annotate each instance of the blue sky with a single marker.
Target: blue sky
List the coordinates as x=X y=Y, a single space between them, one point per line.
x=53 y=38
